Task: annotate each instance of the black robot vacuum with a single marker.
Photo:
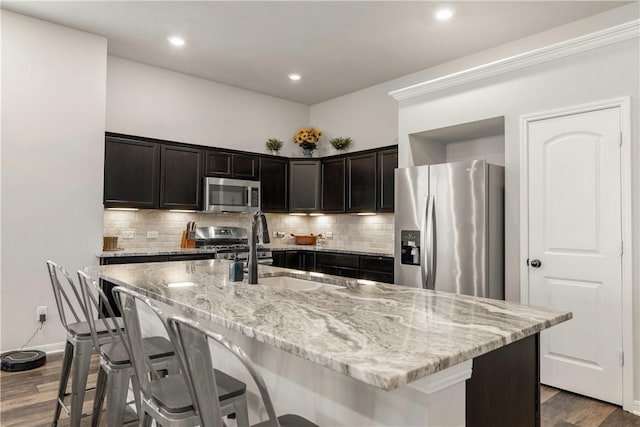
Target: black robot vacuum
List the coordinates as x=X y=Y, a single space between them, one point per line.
x=14 y=361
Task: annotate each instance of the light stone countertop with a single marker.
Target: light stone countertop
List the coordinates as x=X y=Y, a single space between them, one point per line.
x=272 y=246
x=384 y=335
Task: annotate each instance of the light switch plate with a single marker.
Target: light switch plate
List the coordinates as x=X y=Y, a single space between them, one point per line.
x=152 y=234
x=128 y=234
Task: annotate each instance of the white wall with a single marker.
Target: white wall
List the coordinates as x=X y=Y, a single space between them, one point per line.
x=153 y=102
x=53 y=109
x=599 y=74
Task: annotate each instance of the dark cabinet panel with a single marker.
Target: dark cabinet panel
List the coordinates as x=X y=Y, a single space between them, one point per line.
x=338 y=260
x=304 y=185
x=279 y=258
x=378 y=268
x=274 y=184
x=307 y=261
x=245 y=167
x=218 y=163
x=230 y=165
x=361 y=183
x=131 y=172
x=180 y=178
x=511 y=398
x=333 y=188
x=387 y=164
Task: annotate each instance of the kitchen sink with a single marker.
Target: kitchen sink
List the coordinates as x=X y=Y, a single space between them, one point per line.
x=287 y=282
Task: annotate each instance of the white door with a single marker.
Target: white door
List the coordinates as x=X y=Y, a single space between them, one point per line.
x=575 y=248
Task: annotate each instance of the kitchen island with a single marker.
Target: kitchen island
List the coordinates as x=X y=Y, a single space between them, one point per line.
x=352 y=352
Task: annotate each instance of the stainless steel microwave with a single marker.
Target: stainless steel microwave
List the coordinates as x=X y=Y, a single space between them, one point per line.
x=231 y=195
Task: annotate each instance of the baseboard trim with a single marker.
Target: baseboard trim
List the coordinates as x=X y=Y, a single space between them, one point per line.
x=56 y=347
x=636 y=408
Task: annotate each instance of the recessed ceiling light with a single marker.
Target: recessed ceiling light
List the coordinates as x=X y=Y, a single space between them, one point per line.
x=444 y=14
x=176 y=41
x=295 y=76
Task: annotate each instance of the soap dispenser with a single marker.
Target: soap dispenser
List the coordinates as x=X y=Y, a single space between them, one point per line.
x=236 y=270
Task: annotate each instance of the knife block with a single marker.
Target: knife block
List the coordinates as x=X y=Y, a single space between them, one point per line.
x=186 y=242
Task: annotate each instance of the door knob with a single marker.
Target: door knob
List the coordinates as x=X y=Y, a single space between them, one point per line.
x=535 y=263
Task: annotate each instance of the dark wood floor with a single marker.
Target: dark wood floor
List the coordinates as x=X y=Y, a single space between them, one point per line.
x=28 y=399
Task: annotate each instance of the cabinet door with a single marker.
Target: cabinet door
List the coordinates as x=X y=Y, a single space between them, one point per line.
x=245 y=167
x=333 y=188
x=304 y=186
x=131 y=171
x=292 y=259
x=180 y=178
x=387 y=164
x=361 y=183
x=274 y=184
x=307 y=261
x=218 y=163
x=279 y=258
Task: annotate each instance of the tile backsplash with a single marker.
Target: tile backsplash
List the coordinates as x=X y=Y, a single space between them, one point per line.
x=349 y=231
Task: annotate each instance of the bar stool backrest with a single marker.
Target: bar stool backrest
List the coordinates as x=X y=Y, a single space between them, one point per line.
x=92 y=296
x=126 y=298
x=192 y=342
x=66 y=295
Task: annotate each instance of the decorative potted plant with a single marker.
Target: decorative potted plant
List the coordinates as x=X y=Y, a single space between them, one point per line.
x=307 y=139
x=340 y=143
x=274 y=145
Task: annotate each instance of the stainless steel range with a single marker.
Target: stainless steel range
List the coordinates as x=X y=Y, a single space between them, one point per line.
x=229 y=243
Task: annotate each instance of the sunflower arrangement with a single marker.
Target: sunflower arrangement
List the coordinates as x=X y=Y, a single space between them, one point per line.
x=307 y=138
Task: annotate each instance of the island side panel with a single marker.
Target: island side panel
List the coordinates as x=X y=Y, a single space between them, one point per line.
x=504 y=388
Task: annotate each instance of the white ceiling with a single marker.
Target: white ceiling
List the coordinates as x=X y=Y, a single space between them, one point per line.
x=338 y=46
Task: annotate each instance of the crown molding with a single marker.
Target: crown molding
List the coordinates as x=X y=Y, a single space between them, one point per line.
x=608 y=36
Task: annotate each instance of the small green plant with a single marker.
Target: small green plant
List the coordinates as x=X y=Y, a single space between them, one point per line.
x=340 y=143
x=274 y=144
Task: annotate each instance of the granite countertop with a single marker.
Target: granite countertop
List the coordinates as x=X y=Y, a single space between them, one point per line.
x=384 y=335
x=153 y=252
x=272 y=246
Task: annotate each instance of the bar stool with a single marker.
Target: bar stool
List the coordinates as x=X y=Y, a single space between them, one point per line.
x=115 y=360
x=79 y=343
x=167 y=400
x=197 y=365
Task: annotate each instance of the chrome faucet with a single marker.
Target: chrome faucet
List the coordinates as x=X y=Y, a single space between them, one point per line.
x=252 y=263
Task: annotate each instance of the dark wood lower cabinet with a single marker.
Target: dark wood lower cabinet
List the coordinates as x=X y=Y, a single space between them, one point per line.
x=504 y=388
x=377 y=268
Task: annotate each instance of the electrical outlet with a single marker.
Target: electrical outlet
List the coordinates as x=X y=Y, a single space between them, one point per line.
x=41 y=310
x=128 y=234
x=329 y=234
x=152 y=234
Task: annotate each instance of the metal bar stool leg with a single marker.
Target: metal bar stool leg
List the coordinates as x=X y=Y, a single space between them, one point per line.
x=64 y=380
x=81 y=361
x=101 y=388
x=242 y=414
x=117 y=389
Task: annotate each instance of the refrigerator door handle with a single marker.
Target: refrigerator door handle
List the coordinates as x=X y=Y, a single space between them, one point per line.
x=424 y=251
x=430 y=253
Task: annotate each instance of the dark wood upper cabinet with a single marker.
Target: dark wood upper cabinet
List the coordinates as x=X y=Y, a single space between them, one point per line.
x=333 y=188
x=180 y=178
x=387 y=164
x=245 y=167
x=230 y=165
x=218 y=163
x=361 y=182
x=274 y=184
x=131 y=172
x=304 y=185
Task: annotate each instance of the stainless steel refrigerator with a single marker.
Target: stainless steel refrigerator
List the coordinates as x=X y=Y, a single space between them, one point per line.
x=449 y=228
